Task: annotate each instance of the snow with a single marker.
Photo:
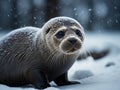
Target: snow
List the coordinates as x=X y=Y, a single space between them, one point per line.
x=3 y=87
x=75 y=9
x=102 y=74
x=116 y=21
x=89 y=9
x=115 y=7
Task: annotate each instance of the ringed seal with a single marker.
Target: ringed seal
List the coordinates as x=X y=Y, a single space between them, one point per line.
x=37 y=56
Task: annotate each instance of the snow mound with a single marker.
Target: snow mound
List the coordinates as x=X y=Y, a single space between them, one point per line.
x=81 y=74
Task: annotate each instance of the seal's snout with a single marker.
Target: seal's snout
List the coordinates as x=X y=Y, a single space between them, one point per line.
x=72 y=41
x=70 y=45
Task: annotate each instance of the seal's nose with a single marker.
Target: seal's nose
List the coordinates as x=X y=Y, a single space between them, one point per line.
x=72 y=40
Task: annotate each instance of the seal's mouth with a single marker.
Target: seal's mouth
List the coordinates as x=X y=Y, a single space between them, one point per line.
x=72 y=50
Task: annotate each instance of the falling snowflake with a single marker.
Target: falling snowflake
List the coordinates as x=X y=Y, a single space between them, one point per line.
x=75 y=9
x=116 y=21
x=89 y=9
x=8 y=15
x=115 y=7
x=34 y=18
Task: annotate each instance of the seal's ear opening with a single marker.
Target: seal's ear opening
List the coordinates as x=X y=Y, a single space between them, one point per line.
x=48 y=30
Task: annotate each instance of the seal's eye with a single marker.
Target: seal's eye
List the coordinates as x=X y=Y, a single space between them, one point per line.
x=78 y=32
x=60 y=34
x=48 y=30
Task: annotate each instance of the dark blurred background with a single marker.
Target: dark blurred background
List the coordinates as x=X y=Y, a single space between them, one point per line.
x=94 y=15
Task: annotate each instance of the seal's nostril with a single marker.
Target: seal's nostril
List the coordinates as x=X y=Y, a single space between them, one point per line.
x=72 y=40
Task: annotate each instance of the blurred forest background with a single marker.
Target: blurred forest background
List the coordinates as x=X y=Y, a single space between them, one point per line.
x=94 y=15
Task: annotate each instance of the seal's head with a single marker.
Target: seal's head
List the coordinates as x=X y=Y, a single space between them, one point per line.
x=63 y=34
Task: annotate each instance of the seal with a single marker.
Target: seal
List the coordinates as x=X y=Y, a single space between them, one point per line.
x=38 y=56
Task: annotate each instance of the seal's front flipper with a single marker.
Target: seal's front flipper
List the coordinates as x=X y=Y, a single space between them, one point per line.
x=63 y=80
x=38 y=79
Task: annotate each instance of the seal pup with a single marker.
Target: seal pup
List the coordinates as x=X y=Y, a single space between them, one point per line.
x=37 y=56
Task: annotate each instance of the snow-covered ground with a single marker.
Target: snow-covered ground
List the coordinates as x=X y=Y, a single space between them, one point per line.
x=102 y=74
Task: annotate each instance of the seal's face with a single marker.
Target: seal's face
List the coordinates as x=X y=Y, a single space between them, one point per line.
x=65 y=36
x=68 y=39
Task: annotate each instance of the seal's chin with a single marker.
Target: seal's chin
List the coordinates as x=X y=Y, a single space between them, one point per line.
x=72 y=50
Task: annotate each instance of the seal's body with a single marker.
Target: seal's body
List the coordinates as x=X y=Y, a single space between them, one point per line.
x=37 y=56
